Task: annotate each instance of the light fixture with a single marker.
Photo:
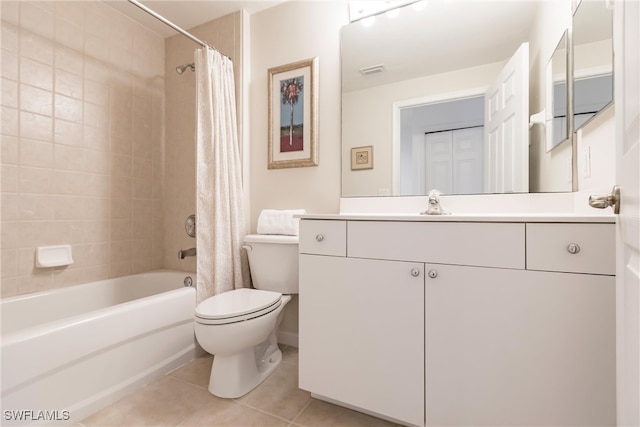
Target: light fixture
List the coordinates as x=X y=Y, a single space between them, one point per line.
x=368 y=21
x=359 y=10
x=419 y=5
x=393 y=13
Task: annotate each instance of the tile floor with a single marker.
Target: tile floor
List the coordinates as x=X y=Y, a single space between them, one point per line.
x=180 y=398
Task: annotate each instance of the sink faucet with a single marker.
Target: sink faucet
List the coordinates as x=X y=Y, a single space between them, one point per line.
x=182 y=254
x=433 y=205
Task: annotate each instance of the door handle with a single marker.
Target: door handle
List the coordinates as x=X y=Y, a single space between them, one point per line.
x=603 y=201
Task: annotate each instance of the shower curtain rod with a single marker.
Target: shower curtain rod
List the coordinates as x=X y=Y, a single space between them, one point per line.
x=174 y=26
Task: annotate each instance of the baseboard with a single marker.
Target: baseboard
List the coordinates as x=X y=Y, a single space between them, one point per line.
x=288 y=338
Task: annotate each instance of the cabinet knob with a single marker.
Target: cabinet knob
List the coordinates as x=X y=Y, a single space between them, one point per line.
x=319 y=238
x=433 y=274
x=415 y=272
x=573 y=248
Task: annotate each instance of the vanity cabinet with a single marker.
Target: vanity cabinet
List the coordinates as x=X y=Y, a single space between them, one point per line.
x=362 y=334
x=518 y=347
x=460 y=323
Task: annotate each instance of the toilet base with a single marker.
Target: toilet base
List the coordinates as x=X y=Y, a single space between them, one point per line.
x=235 y=375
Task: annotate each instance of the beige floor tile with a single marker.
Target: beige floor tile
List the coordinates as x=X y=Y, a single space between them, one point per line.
x=290 y=355
x=164 y=402
x=196 y=371
x=279 y=394
x=323 y=414
x=231 y=414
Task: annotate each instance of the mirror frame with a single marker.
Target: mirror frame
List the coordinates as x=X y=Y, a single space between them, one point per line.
x=550 y=142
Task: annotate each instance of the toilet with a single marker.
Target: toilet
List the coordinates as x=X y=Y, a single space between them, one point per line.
x=239 y=327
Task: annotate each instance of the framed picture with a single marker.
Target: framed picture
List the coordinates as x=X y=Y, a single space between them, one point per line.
x=293 y=115
x=362 y=158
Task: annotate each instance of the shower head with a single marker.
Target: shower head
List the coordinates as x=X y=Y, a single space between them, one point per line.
x=181 y=68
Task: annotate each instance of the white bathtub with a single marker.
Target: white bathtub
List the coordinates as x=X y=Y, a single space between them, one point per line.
x=68 y=352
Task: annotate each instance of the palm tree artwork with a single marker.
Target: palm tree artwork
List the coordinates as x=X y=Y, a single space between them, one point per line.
x=291 y=114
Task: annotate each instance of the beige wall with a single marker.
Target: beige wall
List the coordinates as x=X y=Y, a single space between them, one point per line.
x=291 y=32
x=82 y=116
x=180 y=181
x=288 y=33
x=548 y=172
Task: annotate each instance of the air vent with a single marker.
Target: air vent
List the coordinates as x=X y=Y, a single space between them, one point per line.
x=374 y=69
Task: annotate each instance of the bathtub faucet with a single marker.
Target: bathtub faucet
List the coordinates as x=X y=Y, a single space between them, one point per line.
x=182 y=254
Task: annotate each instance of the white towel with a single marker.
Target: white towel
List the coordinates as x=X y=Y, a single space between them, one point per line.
x=275 y=221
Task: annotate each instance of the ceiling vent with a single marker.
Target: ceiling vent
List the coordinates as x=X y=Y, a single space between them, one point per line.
x=374 y=69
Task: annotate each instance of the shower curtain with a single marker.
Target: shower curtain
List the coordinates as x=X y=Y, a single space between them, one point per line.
x=221 y=263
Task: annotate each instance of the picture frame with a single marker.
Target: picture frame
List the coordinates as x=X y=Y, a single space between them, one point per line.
x=362 y=158
x=293 y=115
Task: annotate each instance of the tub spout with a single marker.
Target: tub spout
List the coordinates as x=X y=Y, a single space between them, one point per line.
x=183 y=253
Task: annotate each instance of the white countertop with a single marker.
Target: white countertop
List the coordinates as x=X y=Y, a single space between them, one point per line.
x=468 y=217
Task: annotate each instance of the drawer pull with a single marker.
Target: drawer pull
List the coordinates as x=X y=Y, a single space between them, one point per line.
x=573 y=248
x=415 y=272
x=433 y=274
x=319 y=238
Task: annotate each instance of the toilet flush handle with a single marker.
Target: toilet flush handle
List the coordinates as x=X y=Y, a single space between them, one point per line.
x=247 y=247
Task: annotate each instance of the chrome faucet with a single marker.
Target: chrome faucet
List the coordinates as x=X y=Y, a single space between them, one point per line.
x=433 y=205
x=182 y=254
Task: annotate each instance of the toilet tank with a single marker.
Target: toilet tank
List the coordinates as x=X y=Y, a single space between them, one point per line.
x=273 y=261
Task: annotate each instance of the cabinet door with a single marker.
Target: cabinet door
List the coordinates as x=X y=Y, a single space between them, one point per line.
x=516 y=347
x=362 y=334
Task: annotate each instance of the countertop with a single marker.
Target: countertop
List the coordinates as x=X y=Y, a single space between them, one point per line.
x=468 y=217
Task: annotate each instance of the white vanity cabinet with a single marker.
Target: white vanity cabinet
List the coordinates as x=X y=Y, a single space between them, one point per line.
x=518 y=347
x=362 y=334
x=460 y=323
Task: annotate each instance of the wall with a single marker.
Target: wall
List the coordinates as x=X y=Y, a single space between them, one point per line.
x=548 y=172
x=372 y=123
x=82 y=115
x=597 y=152
x=180 y=182
x=291 y=32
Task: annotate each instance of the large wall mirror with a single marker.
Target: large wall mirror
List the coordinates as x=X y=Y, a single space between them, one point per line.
x=435 y=61
x=592 y=60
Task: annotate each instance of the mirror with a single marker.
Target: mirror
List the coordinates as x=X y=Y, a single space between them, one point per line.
x=592 y=60
x=557 y=129
x=449 y=51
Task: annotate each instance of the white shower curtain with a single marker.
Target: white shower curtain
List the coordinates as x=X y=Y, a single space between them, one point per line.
x=221 y=265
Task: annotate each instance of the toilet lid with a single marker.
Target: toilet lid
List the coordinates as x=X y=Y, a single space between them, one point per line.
x=237 y=303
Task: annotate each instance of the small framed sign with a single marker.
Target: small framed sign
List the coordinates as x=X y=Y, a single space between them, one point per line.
x=362 y=158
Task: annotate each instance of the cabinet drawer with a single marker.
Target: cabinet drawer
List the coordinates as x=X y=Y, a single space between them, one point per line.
x=321 y=237
x=477 y=244
x=548 y=248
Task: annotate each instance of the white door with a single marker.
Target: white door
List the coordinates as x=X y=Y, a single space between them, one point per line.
x=467 y=161
x=438 y=162
x=506 y=126
x=627 y=98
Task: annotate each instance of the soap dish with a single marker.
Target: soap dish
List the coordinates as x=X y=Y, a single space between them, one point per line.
x=53 y=256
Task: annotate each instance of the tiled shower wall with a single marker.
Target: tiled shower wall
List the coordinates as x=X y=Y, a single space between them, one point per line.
x=82 y=143
x=180 y=185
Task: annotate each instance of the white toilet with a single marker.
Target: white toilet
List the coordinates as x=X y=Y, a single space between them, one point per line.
x=239 y=327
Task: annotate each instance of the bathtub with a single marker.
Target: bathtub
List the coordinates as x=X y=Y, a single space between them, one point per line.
x=70 y=351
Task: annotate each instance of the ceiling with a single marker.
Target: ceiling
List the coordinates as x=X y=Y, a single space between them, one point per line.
x=446 y=35
x=186 y=13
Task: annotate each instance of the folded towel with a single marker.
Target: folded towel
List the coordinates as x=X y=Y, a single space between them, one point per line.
x=275 y=221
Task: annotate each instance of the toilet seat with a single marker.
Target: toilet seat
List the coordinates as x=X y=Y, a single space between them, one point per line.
x=237 y=306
